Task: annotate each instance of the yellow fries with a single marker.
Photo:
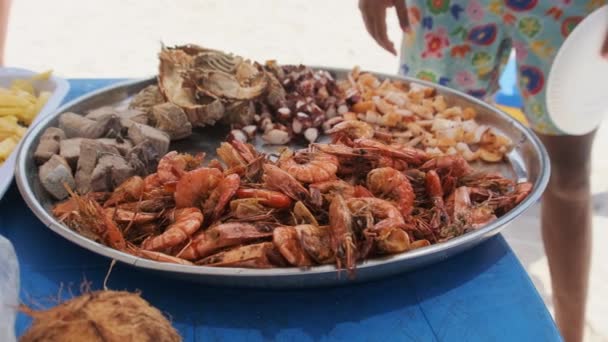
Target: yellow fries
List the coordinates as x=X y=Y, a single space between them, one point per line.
x=6 y=147
x=19 y=105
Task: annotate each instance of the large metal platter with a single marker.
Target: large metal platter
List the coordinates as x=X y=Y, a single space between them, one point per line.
x=528 y=161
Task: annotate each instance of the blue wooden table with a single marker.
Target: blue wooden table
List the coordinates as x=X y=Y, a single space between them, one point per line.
x=481 y=295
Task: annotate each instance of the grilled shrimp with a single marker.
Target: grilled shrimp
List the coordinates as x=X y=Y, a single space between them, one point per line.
x=342 y=236
x=250 y=209
x=130 y=190
x=327 y=189
x=317 y=242
x=153 y=205
x=230 y=156
x=259 y=255
x=173 y=165
x=286 y=240
x=221 y=195
x=352 y=129
x=389 y=236
x=185 y=222
x=236 y=153
x=392 y=185
x=435 y=192
x=157 y=256
x=273 y=199
x=194 y=187
x=465 y=215
x=410 y=155
x=302 y=214
x=152 y=182
x=221 y=236
x=508 y=201
x=92 y=217
x=309 y=167
x=453 y=165
x=381 y=230
x=122 y=215
x=277 y=179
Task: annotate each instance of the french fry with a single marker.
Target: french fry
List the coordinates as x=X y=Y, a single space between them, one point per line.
x=19 y=106
x=23 y=85
x=6 y=147
x=10 y=111
x=9 y=128
x=10 y=100
x=43 y=76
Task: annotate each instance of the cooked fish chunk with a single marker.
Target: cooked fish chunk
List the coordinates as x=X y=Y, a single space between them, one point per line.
x=139 y=133
x=77 y=126
x=54 y=174
x=49 y=144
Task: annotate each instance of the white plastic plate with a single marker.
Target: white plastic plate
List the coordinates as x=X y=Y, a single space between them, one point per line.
x=57 y=86
x=577 y=100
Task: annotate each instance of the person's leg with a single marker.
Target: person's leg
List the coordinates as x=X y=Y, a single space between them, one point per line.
x=4 y=11
x=566 y=215
x=566 y=228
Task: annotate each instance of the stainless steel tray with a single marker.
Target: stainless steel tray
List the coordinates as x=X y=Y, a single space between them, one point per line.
x=528 y=161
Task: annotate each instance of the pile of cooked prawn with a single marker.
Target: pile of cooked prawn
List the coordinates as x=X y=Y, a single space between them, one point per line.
x=364 y=195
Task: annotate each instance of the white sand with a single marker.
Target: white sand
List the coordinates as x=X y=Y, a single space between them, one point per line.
x=113 y=38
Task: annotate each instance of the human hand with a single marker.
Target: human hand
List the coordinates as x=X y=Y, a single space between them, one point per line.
x=374 y=17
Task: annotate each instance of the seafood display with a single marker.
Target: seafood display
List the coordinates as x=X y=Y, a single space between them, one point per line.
x=280 y=102
x=399 y=167
x=340 y=203
x=416 y=117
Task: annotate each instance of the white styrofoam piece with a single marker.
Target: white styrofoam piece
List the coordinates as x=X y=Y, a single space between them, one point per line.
x=58 y=87
x=577 y=100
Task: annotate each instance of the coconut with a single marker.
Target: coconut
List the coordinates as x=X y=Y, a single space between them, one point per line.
x=110 y=316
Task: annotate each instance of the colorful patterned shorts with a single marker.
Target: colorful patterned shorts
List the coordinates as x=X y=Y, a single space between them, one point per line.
x=465 y=44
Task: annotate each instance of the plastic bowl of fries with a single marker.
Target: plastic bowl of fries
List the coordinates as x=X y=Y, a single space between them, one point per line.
x=25 y=98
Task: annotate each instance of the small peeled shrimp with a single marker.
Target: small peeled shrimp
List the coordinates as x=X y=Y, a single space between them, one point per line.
x=273 y=199
x=342 y=235
x=195 y=186
x=309 y=167
x=392 y=185
x=185 y=222
x=277 y=179
x=352 y=129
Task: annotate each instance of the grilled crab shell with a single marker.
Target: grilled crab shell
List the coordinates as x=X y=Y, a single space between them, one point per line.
x=211 y=85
